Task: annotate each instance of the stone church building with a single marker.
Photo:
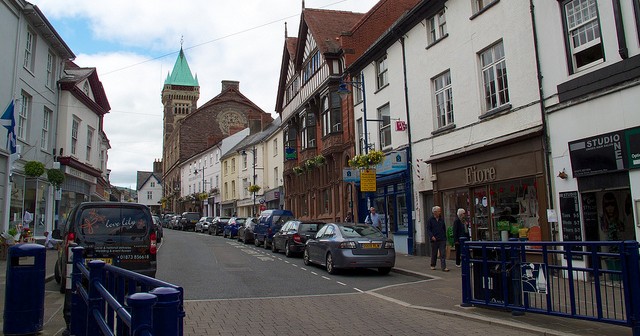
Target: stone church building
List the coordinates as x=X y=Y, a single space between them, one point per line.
x=189 y=129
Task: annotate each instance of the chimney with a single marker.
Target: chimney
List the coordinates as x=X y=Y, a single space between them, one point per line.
x=228 y=84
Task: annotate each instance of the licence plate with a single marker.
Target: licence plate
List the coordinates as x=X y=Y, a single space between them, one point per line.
x=370 y=245
x=106 y=260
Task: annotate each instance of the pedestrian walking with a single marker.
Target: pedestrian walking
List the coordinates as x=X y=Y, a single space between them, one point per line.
x=374 y=219
x=459 y=230
x=437 y=233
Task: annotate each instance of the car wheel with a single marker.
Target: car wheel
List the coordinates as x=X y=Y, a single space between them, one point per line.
x=305 y=257
x=56 y=272
x=256 y=242
x=384 y=270
x=287 y=252
x=273 y=246
x=330 y=267
x=264 y=244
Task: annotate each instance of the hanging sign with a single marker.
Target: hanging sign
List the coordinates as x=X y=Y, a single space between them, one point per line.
x=368 y=180
x=401 y=125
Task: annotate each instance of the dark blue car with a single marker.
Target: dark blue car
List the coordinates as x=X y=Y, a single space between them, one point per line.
x=269 y=223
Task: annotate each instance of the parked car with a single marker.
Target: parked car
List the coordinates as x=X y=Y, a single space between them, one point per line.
x=346 y=245
x=203 y=224
x=231 y=229
x=293 y=236
x=217 y=226
x=157 y=226
x=269 y=222
x=245 y=231
x=175 y=223
x=121 y=234
x=166 y=219
x=189 y=220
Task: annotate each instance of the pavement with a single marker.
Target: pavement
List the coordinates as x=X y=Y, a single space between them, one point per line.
x=438 y=292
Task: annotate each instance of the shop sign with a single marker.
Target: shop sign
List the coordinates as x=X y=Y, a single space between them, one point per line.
x=79 y=174
x=393 y=163
x=290 y=153
x=599 y=154
x=473 y=175
x=571 y=221
x=633 y=147
x=401 y=125
x=368 y=180
x=350 y=174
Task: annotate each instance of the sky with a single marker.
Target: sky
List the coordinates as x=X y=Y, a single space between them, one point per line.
x=134 y=44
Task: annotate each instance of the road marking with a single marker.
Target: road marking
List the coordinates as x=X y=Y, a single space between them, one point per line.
x=294 y=265
x=341 y=283
x=361 y=291
x=286 y=261
x=314 y=273
x=266 y=258
x=302 y=268
x=324 y=277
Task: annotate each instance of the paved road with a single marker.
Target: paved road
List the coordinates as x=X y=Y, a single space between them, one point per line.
x=237 y=289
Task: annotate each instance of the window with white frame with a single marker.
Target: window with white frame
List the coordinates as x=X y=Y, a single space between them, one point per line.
x=226 y=191
x=479 y=5
x=384 y=115
x=245 y=188
x=23 y=116
x=244 y=161
x=331 y=113
x=357 y=89
x=152 y=184
x=583 y=33
x=217 y=181
x=276 y=177
x=51 y=70
x=233 y=189
x=226 y=167
x=275 y=147
x=360 y=133
x=443 y=98
x=75 y=127
x=85 y=88
x=494 y=77
x=436 y=27
x=46 y=124
x=90 y=132
x=308 y=132
x=30 y=50
x=149 y=195
x=233 y=165
x=381 y=72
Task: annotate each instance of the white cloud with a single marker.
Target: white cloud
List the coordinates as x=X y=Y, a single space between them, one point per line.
x=223 y=40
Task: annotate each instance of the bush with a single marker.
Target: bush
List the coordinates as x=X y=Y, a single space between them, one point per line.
x=34 y=168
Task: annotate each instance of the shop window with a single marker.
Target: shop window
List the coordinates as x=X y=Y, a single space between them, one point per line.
x=453 y=200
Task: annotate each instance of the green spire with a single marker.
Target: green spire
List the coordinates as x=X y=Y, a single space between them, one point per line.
x=181 y=74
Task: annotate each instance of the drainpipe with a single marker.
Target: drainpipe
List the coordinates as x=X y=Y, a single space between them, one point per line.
x=411 y=243
x=543 y=117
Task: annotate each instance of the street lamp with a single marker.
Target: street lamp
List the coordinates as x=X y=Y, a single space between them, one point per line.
x=343 y=91
x=253 y=152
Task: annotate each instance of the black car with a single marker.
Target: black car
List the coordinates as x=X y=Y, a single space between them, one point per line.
x=217 y=227
x=245 y=232
x=293 y=235
x=189 y=220
x=121 y=234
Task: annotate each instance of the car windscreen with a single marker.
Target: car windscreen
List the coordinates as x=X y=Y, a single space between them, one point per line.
x=240 y=221
x=310 y=227
x=191 y=216
x=113 y=221
x=360 y=231
x=279 y=220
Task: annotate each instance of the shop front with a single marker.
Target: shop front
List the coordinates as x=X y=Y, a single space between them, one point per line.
x=30 y=205
x=503 y=190
x=602 y=207
x=392 y=200
x=272 y=199
x=228 y=208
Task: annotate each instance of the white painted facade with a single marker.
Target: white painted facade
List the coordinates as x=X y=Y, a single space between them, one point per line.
x=150 y=192
x=610 y=108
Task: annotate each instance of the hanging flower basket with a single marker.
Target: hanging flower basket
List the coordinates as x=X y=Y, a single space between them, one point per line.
x=203 y=196
x=298 y=170
x=253 y=188
x=310 y=164
x=366 y=161
x=320 y=160
x=55 y=177
x=34 y=168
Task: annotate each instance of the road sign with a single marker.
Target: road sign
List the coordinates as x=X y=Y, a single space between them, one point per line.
x=368 y=180
x=263 y=207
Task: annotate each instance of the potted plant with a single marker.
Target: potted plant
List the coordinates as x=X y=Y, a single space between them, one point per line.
x=34 y=168
x=320 y=160
x=298 y=170
x=55 y=177
x=309 y=164
x=365 y=161
x=253 y=188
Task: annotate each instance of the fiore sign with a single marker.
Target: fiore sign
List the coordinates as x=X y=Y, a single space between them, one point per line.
x=401 y=125
x=368 y=180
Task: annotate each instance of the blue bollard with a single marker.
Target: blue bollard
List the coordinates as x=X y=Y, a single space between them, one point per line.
x=141 y=312
x=24 y=290
x=165 y=312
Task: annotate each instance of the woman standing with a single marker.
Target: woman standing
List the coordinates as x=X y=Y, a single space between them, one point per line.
x=459 y=230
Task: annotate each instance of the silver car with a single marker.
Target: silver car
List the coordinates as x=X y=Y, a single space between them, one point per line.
x=346 y=245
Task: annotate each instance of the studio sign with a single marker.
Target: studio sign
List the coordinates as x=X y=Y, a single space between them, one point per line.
x=473 y=175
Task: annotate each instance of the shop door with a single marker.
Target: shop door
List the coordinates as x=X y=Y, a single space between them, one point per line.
x=481 y=220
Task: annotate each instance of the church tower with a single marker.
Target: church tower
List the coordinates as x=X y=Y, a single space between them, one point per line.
x=179 y=95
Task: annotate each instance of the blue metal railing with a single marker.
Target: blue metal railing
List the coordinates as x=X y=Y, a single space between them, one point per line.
x=153 y=307
x=596 y=281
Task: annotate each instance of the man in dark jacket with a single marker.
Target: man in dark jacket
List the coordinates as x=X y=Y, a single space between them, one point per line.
x=437 y=234
x=459 y=230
